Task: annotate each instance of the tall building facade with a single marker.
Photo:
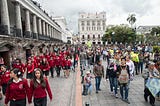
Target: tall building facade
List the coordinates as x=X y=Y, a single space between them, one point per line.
x=66 y=33
x=26 y=29
x=91 y=27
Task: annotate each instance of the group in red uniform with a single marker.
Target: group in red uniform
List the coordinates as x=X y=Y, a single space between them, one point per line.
x=16 y=88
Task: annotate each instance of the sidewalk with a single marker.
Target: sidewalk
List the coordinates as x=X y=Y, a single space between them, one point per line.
x=104 y=98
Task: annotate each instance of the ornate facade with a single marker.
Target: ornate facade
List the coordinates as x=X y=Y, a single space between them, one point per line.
x=91 y=27
x=26 y=29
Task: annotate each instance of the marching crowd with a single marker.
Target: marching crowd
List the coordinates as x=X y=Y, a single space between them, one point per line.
x=122 y=64
x=24 y=81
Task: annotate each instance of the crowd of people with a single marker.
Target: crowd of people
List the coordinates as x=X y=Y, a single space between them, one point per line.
x=123 y=63
x=24 y=81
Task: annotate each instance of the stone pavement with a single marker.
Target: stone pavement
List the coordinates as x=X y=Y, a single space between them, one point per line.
x=104 y=98
x=65 y=94
x=63 y=90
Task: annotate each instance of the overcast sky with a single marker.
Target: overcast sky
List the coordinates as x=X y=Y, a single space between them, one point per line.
x=147 y=11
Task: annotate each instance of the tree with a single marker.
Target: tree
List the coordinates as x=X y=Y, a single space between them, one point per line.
x=131 y=19
x=121 y=33
x=155 y=31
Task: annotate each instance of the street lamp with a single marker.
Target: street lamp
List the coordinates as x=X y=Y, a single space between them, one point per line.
x=113 y=36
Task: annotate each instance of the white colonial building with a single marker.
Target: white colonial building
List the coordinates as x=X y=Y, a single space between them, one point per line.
x=26 y=29
x=66 y=33
x=91 y=27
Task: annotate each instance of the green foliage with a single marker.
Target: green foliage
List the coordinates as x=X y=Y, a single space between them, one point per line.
x=119 y=34
x=155 y=30
x=156 y=48
x=154 y=36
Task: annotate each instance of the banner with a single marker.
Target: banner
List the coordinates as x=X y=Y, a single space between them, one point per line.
x=153 y=84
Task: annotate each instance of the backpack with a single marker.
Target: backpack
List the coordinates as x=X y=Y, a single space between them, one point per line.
x=123 y=77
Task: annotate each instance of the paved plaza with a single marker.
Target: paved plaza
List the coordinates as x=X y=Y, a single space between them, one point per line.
x=104 y=98
x=64 y=93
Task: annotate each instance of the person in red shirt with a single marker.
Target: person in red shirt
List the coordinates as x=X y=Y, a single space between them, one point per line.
x=18 y=64
x=29 y=67
x=68 y=65
x=52 y=65
x=17 y=89
x=39 y=87
x=57 y=61
x=45 y=67
x=5 y=77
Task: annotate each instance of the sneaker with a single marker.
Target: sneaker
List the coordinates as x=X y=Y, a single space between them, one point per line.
x=96 y=91
x=116 y=95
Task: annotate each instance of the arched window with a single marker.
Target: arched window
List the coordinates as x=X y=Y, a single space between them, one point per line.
x=93 y=36
x=99 y=36
x=88 y=36
x=82 y=36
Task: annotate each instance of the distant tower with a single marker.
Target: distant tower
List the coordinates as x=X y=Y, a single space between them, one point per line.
x=91 y=27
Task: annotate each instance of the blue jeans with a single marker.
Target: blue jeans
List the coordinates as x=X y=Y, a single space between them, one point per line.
x=124 y=88
x=113 y=83
x=140 y=67
x=89 y=88
x=98 y=82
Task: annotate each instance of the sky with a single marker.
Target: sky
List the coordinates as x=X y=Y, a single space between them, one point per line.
x=147 y=11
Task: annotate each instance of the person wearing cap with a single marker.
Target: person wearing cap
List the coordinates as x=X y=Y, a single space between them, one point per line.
x=152 y=73
x=87 y=82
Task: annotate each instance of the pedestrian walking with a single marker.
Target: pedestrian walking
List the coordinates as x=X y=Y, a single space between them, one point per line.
x=5 y=77
x=29 y=68
x=98 y=72
x=39 y=87
x=87 y=83
x=123 y=79
x=17 y=89
x=113 y=77
x=151 y=73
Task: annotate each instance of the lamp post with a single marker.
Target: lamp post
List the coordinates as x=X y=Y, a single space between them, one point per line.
x=113 y=36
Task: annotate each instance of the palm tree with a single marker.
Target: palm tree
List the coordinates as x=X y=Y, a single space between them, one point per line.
x=131 y=19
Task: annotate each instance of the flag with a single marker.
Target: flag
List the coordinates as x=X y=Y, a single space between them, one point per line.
x=153 y=84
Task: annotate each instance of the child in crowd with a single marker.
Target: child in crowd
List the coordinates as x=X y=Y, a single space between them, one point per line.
x=87 y=82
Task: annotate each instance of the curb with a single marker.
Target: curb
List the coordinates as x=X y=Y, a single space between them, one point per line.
x=78 y=87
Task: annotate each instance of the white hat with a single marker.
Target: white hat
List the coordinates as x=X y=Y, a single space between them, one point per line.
x=151 y=63
x=87 y=72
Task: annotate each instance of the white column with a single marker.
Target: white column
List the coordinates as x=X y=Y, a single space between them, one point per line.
x=34 y=24
x=44 y=28
x=39 y=26
x=4 y=17
x=28 y=26
x=18 y=20
x=49 y=30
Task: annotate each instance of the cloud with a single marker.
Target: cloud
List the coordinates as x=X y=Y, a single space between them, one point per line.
x=117 y=11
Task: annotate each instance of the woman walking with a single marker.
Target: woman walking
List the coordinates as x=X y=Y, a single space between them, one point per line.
x=38 y=87
x=17 y=89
